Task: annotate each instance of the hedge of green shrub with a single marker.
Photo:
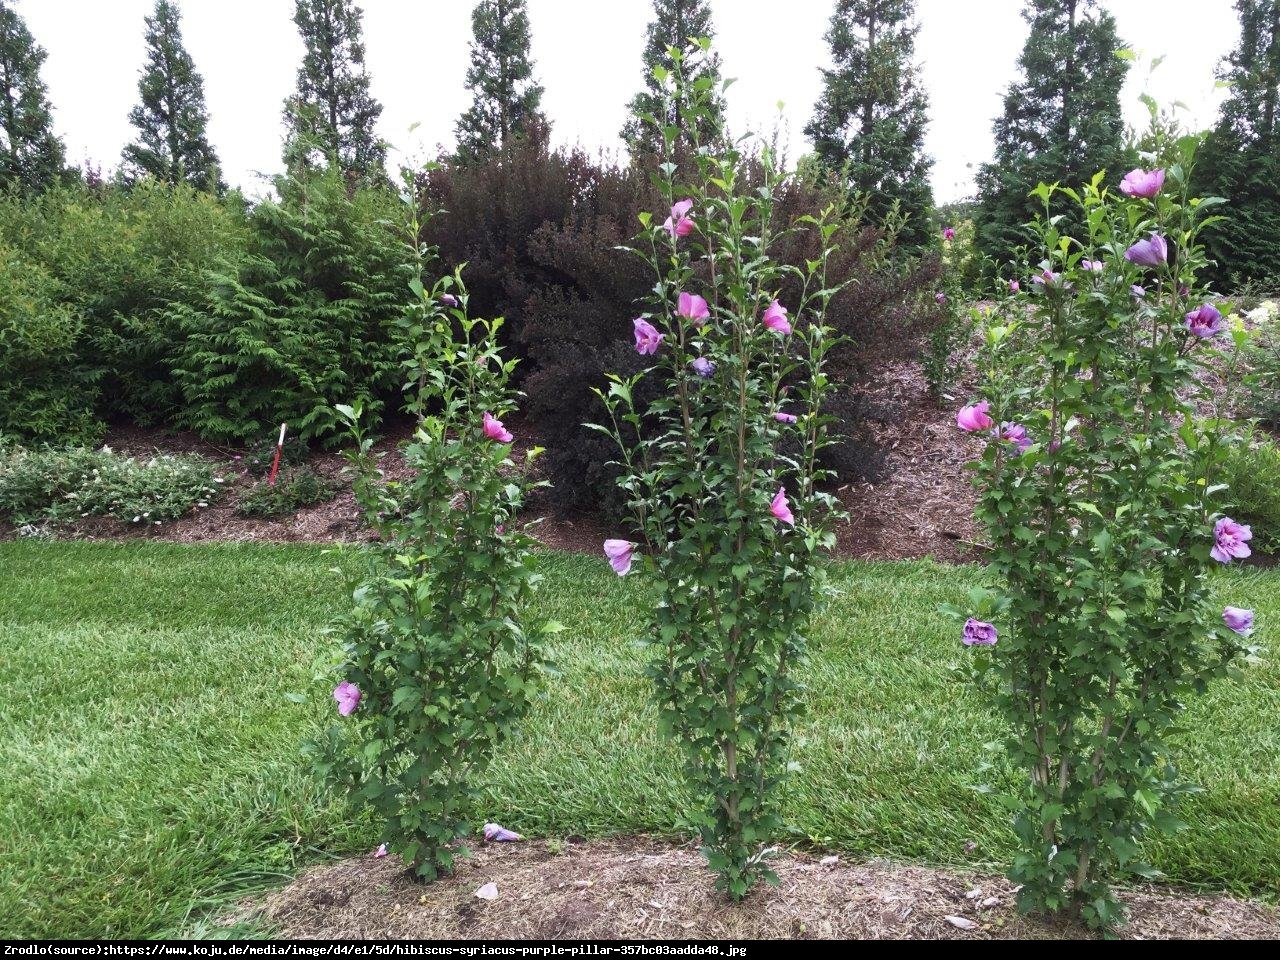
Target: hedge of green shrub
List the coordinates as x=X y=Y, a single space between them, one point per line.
x=107 y=265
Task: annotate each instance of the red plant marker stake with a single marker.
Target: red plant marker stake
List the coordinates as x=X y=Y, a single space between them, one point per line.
x=275 y=463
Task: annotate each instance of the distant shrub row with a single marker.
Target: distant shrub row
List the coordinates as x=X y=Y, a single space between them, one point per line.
x=167 y=306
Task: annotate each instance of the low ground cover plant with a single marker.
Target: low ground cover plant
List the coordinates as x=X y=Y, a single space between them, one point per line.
x=294 y=489
x=55 y=486
x=1101 y=489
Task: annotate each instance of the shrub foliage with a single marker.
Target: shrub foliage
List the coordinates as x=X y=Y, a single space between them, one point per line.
x=732 y=522
x=309 y=313
x=436 y=657
x=1099 y=486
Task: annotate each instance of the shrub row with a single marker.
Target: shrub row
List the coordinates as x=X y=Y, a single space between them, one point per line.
x=172 y=307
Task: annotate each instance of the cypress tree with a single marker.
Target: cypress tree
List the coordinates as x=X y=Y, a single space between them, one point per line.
x=1241 y=158
x=675 y=23
x=1061 y=122
x=171 y=117
x=333 y=112
x=871 y=117
x=505 y=98
x=31 y=155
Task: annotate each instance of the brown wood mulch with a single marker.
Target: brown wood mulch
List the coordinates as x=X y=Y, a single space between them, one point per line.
x=641 y=888
x=922 y=509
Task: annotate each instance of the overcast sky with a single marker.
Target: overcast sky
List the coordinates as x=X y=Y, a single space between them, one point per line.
x=588 y=58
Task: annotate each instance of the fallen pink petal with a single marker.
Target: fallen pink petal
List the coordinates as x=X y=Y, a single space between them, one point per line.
x=497 y=833
x=979 y=633
x=1238 y=619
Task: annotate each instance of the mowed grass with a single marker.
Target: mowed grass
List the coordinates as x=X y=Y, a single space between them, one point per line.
x=150 y=762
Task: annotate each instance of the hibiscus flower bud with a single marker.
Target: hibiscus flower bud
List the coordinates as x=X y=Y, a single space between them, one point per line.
x=679 y=224
x=780 y=509
x=693 y=308
x=1148 y=253
x=775 y=319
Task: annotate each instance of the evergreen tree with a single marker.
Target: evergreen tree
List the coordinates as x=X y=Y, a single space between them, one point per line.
x=1241 y=159
x=500 y=78
x=171 y=118
x=871 y=117
x=333 y=113
x=31 y=155
x=1061 y=121
x=675 y=23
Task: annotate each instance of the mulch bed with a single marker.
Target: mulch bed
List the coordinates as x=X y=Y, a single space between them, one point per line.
x=923 y=509
x=641 y=888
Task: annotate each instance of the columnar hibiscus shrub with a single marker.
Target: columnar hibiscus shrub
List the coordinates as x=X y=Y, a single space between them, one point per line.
x=720 y=475
x=437 y=667
x=1098 y=488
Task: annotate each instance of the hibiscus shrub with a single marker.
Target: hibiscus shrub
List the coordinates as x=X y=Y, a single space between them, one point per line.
x=1098 y=486
x=732 y=524
x=437 y=667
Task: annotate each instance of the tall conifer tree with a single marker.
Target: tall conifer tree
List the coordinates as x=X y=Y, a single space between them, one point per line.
x=333 y=112
x=31 y=155
x=675 y=23
x=1062 y=120
x=171 y=116
x=870 y=120
x=1241 y=159
x=506 y=100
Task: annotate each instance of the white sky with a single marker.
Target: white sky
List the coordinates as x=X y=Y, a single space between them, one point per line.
x=588 y=57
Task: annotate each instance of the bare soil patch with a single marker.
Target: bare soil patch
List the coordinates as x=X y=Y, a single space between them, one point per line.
x=640 y=888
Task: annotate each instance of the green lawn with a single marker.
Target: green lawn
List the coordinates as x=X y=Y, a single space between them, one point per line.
x=150 y=754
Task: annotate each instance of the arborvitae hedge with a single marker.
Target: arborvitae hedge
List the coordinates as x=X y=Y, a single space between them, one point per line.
x=307 y=318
